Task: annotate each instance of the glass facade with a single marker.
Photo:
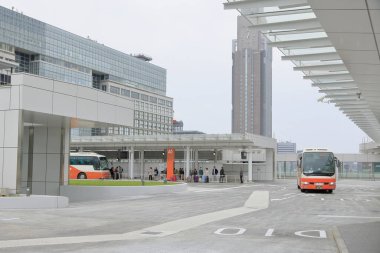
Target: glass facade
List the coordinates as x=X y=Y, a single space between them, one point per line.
x=48 y=51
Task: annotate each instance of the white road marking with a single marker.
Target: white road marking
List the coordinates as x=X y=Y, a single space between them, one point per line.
x=220 y=189
x=341 y=199
x=258 y=200
x=269 y=232
x=348 y=217
x=240 y=231
x=290 y=197
x=290 y=194
x=8 y=219
x=322 y=234
x=322 y=199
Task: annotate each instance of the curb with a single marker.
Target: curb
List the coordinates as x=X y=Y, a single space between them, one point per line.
x=339 y=241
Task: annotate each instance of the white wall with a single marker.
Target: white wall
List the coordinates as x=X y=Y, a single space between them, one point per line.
x=49 y=144
x=9 y=141
x=50 y=107
x=63 y=99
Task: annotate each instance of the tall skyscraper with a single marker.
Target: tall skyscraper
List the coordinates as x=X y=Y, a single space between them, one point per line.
x=251 y=81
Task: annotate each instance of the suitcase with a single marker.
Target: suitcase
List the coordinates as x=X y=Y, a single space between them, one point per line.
x=196 y=179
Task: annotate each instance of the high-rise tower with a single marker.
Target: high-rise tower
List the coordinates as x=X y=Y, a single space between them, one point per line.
x=251 y=81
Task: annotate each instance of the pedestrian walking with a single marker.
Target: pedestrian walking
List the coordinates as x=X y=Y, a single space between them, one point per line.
x=241 y=175
x=150 y=173
x=222 y=175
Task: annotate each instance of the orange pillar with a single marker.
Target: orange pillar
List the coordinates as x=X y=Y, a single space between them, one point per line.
x=170 y=163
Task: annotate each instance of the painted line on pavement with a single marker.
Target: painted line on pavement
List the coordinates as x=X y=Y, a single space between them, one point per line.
x=258 y=200
x=348 y=217
x=290 y=197
x=221 y=189
x=8 y=219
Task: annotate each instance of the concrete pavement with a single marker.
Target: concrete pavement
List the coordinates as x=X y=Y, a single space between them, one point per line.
x=293 y=221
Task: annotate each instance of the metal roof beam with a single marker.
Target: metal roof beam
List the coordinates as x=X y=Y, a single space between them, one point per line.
x=279 y=13
x=310 y=23
x=292 y=32
x=345 y=84
x=302 y=43
x=312 y=57
x=345 y=76
x=261 y=3
x=347 y=91
x=328 y=67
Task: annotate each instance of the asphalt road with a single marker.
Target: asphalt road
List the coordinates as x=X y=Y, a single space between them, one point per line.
x=207 y=218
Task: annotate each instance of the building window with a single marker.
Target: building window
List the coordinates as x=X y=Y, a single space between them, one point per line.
x=135 y=95
x=161 y=101
x=153 y=100
x=114 y=90
x=125 y=92
x=144 y=97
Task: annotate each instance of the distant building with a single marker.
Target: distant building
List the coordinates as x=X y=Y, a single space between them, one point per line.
x=30 y=46
x=251 y=81
x=286 y=147
x=178 y=128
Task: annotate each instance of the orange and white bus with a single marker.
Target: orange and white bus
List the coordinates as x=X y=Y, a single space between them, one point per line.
x=88 y=166
x=316 y=170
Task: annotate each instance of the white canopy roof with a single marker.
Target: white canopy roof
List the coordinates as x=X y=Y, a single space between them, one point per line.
x=334 y=43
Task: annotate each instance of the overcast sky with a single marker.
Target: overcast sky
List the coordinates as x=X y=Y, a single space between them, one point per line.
x=192 y=39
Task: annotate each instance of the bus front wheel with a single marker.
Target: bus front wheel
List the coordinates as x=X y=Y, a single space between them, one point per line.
x=82 y=176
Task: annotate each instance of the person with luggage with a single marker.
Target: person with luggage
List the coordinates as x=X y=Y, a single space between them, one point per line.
x=196 y=178
x=207 y=174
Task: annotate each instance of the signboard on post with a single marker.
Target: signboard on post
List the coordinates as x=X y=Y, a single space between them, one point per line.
x=170 y=163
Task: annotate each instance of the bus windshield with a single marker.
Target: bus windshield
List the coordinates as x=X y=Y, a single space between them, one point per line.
x=318 y=164
x=103 y=163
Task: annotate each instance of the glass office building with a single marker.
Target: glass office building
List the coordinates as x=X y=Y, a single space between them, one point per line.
x=42 y=49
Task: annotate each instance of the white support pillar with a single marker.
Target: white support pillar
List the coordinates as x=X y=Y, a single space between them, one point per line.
x=196 y=162
x=187 y=168
x=131 y=161
x=142 y=169
x=250 y=177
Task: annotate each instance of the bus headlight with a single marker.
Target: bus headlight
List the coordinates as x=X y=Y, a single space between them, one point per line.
x=332 y=183
x=305 y=182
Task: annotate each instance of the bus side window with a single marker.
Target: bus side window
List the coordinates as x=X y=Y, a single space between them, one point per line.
x=95 y=162
x=81 y=161
x=87 y=160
